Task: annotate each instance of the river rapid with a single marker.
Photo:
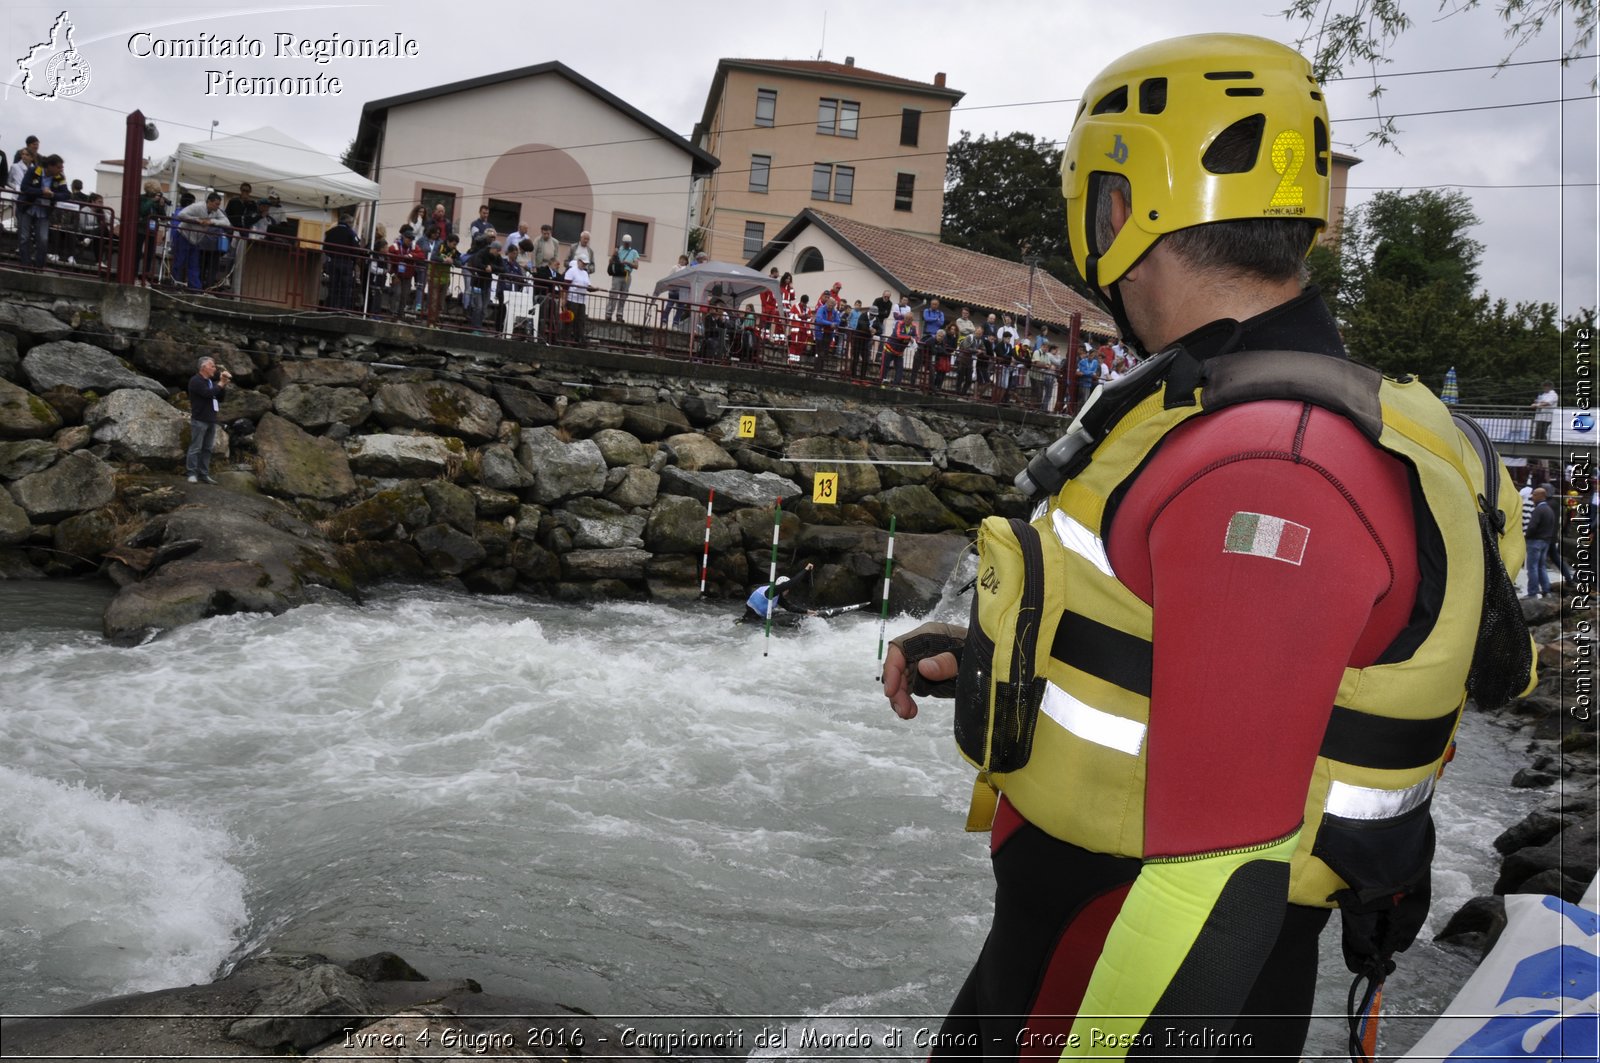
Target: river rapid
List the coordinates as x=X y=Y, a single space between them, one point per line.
x=636 y=809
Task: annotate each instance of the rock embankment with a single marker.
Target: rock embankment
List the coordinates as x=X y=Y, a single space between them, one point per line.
x=346 y=461
x=306 y=1005
x=1552 y=849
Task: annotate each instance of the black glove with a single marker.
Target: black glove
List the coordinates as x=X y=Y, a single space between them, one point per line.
x=926 y=641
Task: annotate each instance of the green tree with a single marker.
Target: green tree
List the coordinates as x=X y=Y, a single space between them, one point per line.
x=1403 y=286
x=1003 y=198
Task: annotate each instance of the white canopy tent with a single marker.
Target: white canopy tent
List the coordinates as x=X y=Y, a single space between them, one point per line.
x=725 y=282
x=269 y=159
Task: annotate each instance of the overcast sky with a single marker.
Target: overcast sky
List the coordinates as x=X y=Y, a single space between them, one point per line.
x=1021 y=63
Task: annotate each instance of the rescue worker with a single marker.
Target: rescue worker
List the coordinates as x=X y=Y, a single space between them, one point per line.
x=1211 y=684
x=777 y=593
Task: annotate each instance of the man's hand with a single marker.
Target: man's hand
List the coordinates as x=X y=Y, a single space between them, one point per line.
x=934 y=648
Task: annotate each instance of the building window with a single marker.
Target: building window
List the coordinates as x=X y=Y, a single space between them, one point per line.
x=910 y=126
x=904 y=185
x=504 y=215
x=808 y=261
x=760 y=172
x=844 y=183
x=755 y=238
x=766 y=106
x=566 y=225
x=837 y=183
x=821 y=181
x=432 y=196
x=639 y=230
x=838 y=118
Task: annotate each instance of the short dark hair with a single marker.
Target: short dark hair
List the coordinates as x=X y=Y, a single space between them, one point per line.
x=52 y=160
x=214 y=195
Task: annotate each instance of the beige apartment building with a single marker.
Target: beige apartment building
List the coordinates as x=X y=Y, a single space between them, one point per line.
x=793 y=134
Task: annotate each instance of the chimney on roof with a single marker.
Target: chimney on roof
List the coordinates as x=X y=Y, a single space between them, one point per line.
x=849 y=60
x=938 y=79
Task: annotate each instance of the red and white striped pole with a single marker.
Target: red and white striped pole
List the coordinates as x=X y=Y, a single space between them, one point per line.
x=705 y=557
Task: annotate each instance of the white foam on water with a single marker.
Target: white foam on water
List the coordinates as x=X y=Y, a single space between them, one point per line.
x=100 y=896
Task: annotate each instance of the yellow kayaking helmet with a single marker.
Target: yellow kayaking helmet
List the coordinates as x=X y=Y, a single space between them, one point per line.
x=1213 y=127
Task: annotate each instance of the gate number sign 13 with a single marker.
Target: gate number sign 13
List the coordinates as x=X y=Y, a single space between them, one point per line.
x=825 y=488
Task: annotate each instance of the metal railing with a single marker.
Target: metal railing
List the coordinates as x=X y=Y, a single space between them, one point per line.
x=69 y=236
x=1510 y=424
x=274 y=266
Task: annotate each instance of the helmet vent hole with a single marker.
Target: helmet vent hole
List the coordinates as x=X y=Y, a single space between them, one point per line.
x=1245 y=92
x=1230 y=75
x=1236 y=147
x=1152 y=95
x=1319 y=145
x=1113 y=102
x=1317 y=96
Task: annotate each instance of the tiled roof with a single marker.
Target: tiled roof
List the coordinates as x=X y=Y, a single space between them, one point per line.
x=964 y=278
x=831 y=69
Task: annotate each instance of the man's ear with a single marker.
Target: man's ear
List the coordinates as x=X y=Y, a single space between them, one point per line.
x=1119 y=211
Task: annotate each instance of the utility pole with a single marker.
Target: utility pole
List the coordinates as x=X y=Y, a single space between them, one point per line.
x=1033 y=264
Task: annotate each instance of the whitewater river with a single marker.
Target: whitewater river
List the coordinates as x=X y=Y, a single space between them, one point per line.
x=635 y=809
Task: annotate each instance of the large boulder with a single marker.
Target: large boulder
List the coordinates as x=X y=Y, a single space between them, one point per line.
x=840 y=456
x=586 y=418
x=314 y=407
x=623 y=564
x=82 y=367
x=677 y=525
x=841 y=424
x=87 y=536
x=296 y=464
x=243 y=404
x=24 y=415
x=451 y=505
x=166 y=356
x=387 y=455
x=19 y=458
x=31 y=324
x=917 y=509
x=735 y=488
x=141 y=427
x=561 y=469
x=1009 y=458
x=694 y=452
x=10 y=360
x=440 y=406
x=637 y=487
x=923 y=565
x=499 y=468
x=523 y=406
x=447 y=550
x=14 y=523
x=971 y=453
x=305 y=1011
x=596 y=524
x=621 y=448
x=768 y=438
x=653 y=421
x=911 y=465
x=892 y=427
x=379 y=516
x=255 y=554
x=324 y=372
x=78 y=482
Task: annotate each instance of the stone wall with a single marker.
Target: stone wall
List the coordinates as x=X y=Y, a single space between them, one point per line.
x=387 y=451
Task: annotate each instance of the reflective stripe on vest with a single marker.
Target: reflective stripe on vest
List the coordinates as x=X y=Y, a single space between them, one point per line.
x=1090 y=723
x=1081 y=541
x=1348 y=801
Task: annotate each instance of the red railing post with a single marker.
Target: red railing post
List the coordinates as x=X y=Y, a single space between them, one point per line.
x=132 y=178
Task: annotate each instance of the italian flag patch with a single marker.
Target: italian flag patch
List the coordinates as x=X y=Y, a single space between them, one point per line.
x=1264 y=536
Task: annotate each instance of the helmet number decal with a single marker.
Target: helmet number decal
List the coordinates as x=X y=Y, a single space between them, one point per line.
x=1288 y=159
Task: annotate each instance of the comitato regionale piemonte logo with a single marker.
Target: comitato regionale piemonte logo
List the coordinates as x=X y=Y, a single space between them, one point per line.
x=54 y=68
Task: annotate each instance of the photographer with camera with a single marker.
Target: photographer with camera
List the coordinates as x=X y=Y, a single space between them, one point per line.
x=206 y=389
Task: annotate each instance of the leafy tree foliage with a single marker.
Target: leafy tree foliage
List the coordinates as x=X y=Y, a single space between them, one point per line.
x=1003 y=198
x=1340 y=32
x=1403 y=286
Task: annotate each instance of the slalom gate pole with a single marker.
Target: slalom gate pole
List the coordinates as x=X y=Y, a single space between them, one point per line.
x=883 y=614
x=772 y=572
x=705 y=557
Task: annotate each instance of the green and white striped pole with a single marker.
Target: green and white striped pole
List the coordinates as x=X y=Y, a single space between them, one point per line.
x=772 y=573
x=883 y=613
